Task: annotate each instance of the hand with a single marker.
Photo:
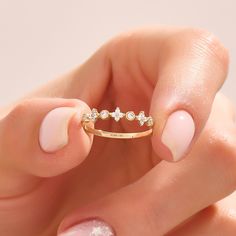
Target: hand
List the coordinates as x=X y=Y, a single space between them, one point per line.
x=162 y=70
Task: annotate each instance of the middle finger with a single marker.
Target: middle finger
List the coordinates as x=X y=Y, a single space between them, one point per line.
x=171 y=193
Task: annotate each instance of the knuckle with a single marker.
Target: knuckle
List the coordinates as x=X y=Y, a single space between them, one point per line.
x=13 y=126
x=120 y=43
x=19 y=110
x=128 y=40
x=28 y=106
x=127 y=36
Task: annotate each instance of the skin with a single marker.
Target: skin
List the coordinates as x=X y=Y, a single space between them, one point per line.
x=157 y=70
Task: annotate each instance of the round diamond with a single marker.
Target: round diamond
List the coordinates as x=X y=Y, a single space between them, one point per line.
x=104 y=114
x=130 y=115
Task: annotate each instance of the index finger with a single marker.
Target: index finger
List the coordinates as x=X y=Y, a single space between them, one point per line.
x=178 y=70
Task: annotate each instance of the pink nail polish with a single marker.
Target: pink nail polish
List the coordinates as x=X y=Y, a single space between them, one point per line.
x=53 y=133
x=92 y=227
x=178 y=133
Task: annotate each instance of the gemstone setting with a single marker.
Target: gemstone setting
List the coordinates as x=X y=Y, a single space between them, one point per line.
x=117 y=114
x=104 y=114
x=150 y=121
x=141 y=118
x=94 y=115
x=130 y=115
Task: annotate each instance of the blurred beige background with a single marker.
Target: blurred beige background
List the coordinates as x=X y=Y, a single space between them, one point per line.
x=39 y=40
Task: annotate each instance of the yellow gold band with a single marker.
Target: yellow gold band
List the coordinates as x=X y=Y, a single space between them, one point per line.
x=117 y=115
x=107 y=134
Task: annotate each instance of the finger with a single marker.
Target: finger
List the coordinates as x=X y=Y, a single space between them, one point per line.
x=181 y=66
x=192 y=67
x=218 y=219
x=211 y=221
x=169 y=194
x=86 y=82
x=41 y=137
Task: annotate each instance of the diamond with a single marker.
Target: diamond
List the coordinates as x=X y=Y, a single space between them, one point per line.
x=150 y=121
x=117 y=114
x=104 y=114
x=93 y=115
x=141 y=118
x=130 y=115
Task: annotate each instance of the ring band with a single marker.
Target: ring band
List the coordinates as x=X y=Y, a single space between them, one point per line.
x=117 y=115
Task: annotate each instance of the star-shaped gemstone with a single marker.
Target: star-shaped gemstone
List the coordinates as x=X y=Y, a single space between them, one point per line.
x=141 y=118
x=93 y=115
x=117 y=114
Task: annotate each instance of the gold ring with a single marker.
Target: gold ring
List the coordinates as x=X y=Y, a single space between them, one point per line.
x=94 y=115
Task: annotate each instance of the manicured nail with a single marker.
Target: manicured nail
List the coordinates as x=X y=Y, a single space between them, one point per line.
x=53 y=133
x=89 y=228
x=178 y=133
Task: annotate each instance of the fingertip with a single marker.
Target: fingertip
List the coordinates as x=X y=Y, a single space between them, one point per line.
x=53 y=132
x=160 y=149
x=59 y=124
x=63 y=141
x=44 y=136
x=176 y=136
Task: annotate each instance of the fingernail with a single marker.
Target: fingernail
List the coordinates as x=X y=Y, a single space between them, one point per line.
x=53 y=133
x=178 y=133
x=89 y=228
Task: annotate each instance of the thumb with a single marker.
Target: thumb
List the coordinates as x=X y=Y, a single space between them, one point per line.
x=43 y=137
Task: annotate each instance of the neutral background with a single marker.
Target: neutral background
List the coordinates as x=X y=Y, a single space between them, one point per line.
x=39 y=40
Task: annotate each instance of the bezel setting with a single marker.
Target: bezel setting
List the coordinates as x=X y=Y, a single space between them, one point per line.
x=104 y=114
x=130 y=115
x=117 y=115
